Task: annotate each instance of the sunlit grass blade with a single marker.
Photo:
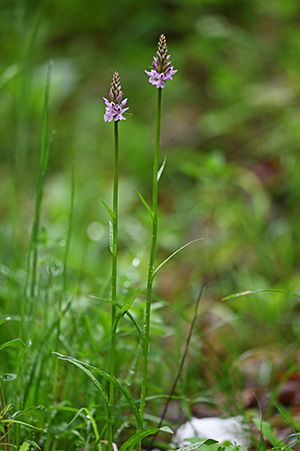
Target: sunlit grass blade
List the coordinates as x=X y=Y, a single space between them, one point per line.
x=27 y=445
x=173 y=255
x=133 y=440
x=262 y=290
x=149 y=209
x=111 y=379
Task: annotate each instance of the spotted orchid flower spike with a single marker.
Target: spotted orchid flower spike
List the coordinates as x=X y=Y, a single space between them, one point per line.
x=162 y=68
x=114 y=109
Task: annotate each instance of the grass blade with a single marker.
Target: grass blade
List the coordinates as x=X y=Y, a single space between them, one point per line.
x=111 y=379
x=109 y=210
x=172 y=255
x=15 y=343
x=132 y=441
x=124 y=309
x=89 y=374
x=150 y=211
x=130 y=316
x=262 y=290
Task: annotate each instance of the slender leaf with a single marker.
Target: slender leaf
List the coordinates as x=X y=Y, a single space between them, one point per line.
x=150 y=211
x=90 y=375
x=267 y=431
x=124 y=309
x=130 y=316
x=108 y=377
x=172 y=255
x=92 y=420
x=4 y=320
x=262 y=290
x=109 y=210
x=22 y=424
x=132 y=441
x=15 y=343
x=160 y=171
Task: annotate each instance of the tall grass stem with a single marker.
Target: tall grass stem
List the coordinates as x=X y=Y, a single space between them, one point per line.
x=152 y=256
x=114 y=282
x=34 y=239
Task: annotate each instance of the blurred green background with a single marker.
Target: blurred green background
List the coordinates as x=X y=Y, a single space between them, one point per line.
x=230 y=133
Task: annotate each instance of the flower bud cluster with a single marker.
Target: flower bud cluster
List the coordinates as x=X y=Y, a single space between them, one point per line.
x=162 y=65
x=114 y=110
x=161 y=72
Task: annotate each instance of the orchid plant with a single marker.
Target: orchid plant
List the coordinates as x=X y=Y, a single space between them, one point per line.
x=115 y=108
x=162 y=71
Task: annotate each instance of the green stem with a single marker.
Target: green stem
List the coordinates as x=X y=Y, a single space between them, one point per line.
x=114 y=282
x=152 y=256
x=6 y=427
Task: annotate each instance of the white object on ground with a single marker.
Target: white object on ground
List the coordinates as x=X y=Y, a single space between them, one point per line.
x=229 y=429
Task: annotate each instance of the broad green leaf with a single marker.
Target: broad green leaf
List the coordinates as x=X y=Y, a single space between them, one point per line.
x=25 y=446
x=134 y=439
x=15 y=343
x=150 y=211
x=109 y=210
x=30 y=443
x=262 y=290
x=160 y=171
x=172 y=255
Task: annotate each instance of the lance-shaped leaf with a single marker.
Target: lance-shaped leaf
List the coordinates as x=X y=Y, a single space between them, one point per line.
x=109 y=210
x=150 y=211
x=124 y=309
